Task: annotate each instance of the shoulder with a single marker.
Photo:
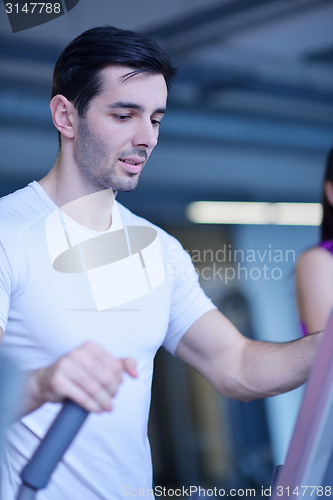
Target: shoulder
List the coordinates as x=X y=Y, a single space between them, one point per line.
x=314 y=266
x=18 y=211
x=316 y=257
x=21 y=207
x=314 y=290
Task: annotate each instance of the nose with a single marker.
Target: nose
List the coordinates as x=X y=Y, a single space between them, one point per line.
x=146 y=135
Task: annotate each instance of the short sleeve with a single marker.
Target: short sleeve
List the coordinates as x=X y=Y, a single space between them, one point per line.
x=189 y=302
x=5 y=287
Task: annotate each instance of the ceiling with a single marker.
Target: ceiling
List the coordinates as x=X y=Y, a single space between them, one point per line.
x=254 y=95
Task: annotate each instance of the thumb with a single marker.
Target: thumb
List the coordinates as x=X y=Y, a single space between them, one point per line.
x=130 y=366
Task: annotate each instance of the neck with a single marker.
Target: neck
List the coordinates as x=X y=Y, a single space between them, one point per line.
x=86 y=206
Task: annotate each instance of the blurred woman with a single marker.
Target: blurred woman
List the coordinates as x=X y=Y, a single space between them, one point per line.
x=314 y=270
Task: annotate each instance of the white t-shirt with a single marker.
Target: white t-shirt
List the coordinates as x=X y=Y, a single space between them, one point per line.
x=59 y=287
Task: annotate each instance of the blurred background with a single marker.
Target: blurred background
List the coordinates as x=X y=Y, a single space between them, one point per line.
x=249 y=119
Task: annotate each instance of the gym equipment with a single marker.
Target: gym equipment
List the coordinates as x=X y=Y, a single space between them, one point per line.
x=37 y=472
x=308 y=468
x=10 y=382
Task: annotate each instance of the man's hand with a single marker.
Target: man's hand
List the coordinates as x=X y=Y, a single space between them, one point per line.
x=88 y=375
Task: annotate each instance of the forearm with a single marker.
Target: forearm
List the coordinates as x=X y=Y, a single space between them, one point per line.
x=268 y=369
x=241 y=368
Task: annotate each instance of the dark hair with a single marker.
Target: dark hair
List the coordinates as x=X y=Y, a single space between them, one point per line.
x=327 y=222
x=76 y=73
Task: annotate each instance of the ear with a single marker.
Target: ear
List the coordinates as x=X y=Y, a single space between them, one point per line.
x=63 y=115
x=329 y=192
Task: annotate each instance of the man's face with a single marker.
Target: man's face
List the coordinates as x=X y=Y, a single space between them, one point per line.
x=120 y=129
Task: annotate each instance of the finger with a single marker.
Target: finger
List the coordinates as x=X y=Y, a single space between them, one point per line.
x=106 y=364
x=99 y=360
x=75 y=373
x=106 y=369
x=102 y=368
x=79 y=396
x=63 y=387
x=95 y=351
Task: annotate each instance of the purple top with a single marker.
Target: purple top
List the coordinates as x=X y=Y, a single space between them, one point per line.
x=327 y=245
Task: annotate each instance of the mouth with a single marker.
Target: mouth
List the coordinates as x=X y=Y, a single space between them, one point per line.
x=132 y=165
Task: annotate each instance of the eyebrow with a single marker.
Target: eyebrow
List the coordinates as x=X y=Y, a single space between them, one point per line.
x=133 y=105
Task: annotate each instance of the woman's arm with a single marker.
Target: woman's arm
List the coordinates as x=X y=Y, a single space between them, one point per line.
x=314 y=284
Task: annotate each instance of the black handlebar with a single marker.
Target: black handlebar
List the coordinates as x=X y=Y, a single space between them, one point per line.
x=37 y=472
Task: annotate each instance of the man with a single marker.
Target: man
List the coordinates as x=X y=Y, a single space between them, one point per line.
x=89 y=291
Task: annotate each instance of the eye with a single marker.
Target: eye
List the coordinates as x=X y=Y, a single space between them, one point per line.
x=122 y=118
x=156 y=123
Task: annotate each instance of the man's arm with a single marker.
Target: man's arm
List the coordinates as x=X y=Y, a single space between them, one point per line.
x=88 y=375
x=241 y=368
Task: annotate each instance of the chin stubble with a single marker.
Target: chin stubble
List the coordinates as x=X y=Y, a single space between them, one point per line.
x=92 y=158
